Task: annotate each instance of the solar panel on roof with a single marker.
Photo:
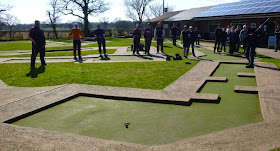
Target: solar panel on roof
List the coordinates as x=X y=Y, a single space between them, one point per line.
x=242 y=7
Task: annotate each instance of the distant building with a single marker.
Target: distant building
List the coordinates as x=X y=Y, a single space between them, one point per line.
x=253 y=12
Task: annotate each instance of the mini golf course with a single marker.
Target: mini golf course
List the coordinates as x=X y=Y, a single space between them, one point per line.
x=153 y=123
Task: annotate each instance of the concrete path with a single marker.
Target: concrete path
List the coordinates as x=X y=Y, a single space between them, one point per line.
x=263 y=51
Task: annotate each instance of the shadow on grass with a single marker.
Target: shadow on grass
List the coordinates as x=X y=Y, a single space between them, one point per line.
x=33 y=73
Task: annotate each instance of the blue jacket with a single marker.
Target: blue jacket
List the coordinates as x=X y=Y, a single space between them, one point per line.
x=99 y=33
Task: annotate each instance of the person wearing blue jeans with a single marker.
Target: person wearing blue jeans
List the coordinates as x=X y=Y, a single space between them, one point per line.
x=277 y=38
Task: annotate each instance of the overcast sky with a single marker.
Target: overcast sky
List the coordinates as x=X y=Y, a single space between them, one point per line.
x=29 y=10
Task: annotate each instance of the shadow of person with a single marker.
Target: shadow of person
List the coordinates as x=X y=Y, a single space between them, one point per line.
x=80 y=61
x=146 y=57
x=105 y=58
x=33 y=73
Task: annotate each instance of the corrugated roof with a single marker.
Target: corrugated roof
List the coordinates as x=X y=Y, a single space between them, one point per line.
x=188 y=14
x=164 y=16
x=242 y=8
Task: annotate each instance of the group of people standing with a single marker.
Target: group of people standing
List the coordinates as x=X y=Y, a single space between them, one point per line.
x=231 y=34
x=246 y=37
x=188 y=38
x=158 y=34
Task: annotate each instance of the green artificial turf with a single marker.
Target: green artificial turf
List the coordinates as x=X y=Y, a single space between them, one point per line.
x=147 y=75
x=216 y=56
x=151 y=123
x=62 y=53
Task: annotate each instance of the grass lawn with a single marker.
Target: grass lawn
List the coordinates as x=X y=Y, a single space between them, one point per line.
x=26 y=45
x=147 y=75
x=15 y=45
x=277 y=149
x=63 y=53
x=151 y=123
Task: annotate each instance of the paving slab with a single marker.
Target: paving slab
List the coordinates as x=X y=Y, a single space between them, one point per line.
x=268 y=80
x=246 y=89
x=242 y=74
x=217 y=79
x=191 y=81
x=268 y=52
x=197 y=53
x=11 y=94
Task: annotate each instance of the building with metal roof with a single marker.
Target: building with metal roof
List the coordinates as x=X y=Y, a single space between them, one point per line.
x=253 y=12
x=164 y=17
x=266 y=8
x=188 y=14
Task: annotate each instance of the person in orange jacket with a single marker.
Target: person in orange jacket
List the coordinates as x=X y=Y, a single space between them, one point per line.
x=75 y=33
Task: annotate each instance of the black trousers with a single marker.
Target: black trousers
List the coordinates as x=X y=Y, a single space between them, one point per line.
x=174 y=38
x=197 y=41
x=250 y=53
x=223 y=45
x=238 y=46
x=159 y=43
x=77 y=43
x=136 y=43
x=217 y=43
x=148 y=42
x=232 y=47
x=101 y=41
x=35 y=50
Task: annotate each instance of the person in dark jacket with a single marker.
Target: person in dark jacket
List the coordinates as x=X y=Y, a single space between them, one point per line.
x=251 y=42
x=187 y=39
x=136 y=39
x=36 y=35
x=233 y=38
x=224 y=40
x=237 y=31
x=277 y=38
x=173 y=32
x=218 y=37
x=148 y=34
x=197 y=35
x=100 y=34
x=159 y=34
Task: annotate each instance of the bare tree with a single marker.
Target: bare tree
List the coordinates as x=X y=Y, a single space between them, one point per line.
x=54 y=15
x=155 y=10
x=104 y=21
x=136 y=9
x=11 y=21
x=87 y=7
x=3 y=8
